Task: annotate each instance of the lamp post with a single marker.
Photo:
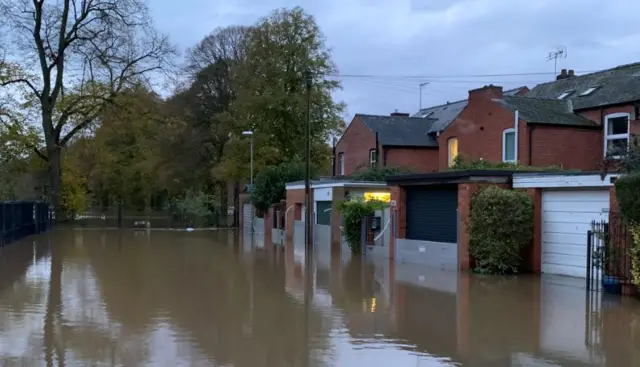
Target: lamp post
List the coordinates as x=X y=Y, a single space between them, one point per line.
x=249 y=133
x=307 y=179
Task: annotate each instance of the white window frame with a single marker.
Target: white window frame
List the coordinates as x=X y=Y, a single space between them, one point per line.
x=340 y=164
x=373 y=157
x=615 y=136
x=504 y=145
x=449 y=158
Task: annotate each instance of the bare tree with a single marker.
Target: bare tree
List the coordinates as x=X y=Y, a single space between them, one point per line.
x=69 y=59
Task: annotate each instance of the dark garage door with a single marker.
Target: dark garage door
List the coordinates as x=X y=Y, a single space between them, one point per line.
x=432 y=214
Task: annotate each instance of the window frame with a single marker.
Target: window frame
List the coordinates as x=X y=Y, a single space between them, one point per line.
x=449 y=158
x=566 y=93
x=340 y=164
x=504 y=145
x=373 y=157
x=608 y=137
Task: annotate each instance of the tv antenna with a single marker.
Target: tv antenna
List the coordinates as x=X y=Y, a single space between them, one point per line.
x=559 y=53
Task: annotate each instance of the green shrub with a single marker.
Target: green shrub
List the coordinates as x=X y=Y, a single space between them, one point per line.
x=363 y=173
x=628 y=196
x=500 y=226
x=352 y=213
x=460 y=163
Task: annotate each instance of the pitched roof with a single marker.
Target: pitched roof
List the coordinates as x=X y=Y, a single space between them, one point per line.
x=400 y=130
x=444 y=114
x=618 y=85
x=544 y=111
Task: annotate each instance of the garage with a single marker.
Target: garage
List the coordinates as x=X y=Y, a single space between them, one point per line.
x=566 y=219
x=432 y=213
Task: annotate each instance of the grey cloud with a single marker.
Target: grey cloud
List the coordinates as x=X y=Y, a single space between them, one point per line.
x=436 y=37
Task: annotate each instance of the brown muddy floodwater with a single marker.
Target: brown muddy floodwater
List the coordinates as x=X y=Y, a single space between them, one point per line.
x=160 y=298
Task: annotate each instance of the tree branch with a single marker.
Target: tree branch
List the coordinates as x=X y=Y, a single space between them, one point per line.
x=23 y=81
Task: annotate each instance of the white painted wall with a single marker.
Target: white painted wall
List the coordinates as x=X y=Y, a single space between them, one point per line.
x=535 y=180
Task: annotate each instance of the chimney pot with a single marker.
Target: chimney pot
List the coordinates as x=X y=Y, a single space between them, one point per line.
x=571 y=73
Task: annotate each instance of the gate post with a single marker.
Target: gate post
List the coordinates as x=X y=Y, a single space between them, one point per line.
x=589 y=260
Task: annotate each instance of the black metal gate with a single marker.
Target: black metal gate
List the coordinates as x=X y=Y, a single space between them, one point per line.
x=609 y=256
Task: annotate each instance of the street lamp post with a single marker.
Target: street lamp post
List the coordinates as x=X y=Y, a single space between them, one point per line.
x=307 y=179
x=249 y=133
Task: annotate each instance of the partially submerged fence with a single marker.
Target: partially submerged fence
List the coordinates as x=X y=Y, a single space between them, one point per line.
x=19 y=219
x=609 y=256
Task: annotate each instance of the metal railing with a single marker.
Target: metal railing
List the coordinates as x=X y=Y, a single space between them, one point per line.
x=19 y=219
x=609 y=255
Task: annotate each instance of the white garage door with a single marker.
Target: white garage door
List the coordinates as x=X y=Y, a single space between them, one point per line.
x=566 y=218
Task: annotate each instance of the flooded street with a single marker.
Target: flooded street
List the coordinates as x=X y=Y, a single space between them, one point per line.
x=161 y=298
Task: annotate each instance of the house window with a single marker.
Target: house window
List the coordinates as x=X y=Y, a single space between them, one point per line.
x=616 y=134
x=452 y=145
x=341 y=164
x=373 y=157
x=509 y=145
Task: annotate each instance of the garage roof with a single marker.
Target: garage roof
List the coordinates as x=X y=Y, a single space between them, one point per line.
x=498 y=176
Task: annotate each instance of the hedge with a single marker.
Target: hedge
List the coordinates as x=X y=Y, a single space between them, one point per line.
x=500 y=226
x=628 y=196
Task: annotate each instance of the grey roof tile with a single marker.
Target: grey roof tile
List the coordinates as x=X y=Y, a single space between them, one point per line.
x=544 y=111
x=618 y=85
x=446 y=113
x=400 y=130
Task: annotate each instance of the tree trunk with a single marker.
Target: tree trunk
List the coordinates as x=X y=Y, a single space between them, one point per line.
x=55 y=181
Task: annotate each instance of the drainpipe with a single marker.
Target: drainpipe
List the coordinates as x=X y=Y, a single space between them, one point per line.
x=531 y=128
x=333 y=150
x=517 y=117
x=377 y=153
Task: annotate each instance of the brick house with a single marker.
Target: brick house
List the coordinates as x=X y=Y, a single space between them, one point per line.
x=385 y=141
x=398 y=139
x=573 y=122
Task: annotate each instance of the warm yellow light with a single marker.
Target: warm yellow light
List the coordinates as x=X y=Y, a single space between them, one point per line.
x=385 y=197
x=373 y=304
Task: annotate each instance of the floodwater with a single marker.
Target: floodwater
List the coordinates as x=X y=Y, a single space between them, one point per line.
x=160 y=298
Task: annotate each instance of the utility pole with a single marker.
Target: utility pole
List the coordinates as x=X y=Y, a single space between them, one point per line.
x=307 y=179
x=422 y=85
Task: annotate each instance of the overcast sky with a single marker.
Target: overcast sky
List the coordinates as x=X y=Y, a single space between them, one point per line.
x=435 y=38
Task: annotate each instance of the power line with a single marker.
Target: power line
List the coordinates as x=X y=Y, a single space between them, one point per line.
x=430 y=77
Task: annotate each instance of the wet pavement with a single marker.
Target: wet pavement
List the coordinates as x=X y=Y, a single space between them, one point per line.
x=161 y=298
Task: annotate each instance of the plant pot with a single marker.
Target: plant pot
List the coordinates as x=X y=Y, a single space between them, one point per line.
x=611 y=284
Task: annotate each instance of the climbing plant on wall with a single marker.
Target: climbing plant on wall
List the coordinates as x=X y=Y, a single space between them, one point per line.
x=353 y=211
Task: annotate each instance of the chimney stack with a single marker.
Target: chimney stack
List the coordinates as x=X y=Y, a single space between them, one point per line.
x=487 y=92
x=571 y=73
x=399 y=114
x=563 y=75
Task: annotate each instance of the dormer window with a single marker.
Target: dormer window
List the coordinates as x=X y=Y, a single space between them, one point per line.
x=588 y=91
x=565 y=94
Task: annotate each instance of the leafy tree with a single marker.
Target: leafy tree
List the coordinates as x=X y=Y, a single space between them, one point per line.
x=269 y=186
x=271 y=85
x=123 y=160
x=83 y=53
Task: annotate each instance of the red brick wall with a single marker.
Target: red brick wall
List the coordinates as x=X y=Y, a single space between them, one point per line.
x=295 y=198
x=355 y=144
x=399 y=226
x=479 y=130
x=573 y=148
x=419 y=159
